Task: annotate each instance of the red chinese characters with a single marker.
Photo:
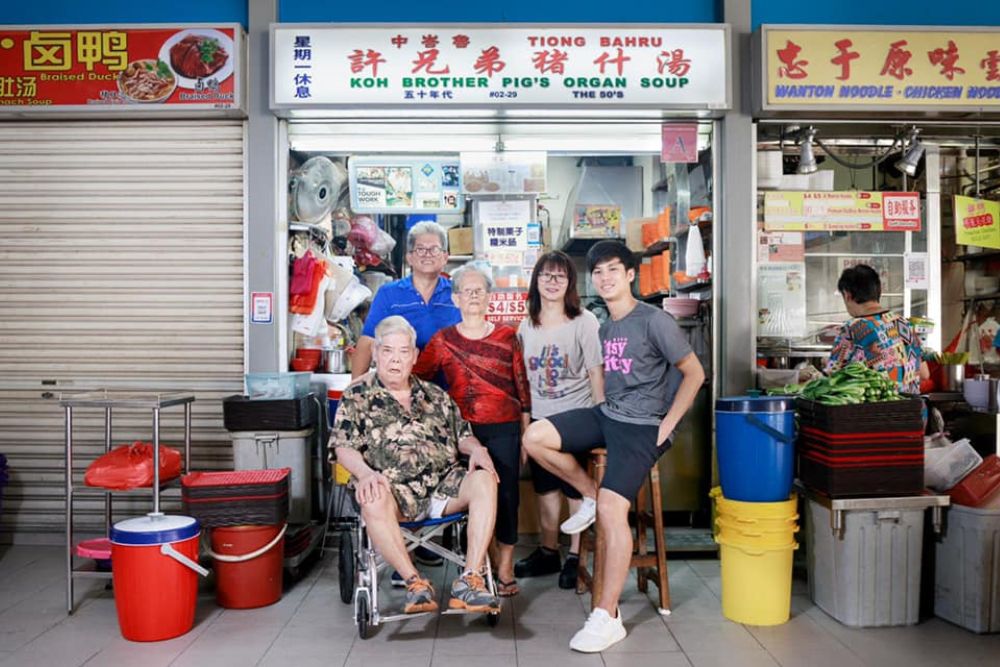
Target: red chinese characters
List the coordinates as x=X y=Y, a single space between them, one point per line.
x=673 y=62
x=991 y=64
x=460 y=41
x=896 y=61
x=844 y=58
x=489 y=62
x=791 y=66
x=361 y=59
x=553 y=61
x=947 y=59
x=618 y=61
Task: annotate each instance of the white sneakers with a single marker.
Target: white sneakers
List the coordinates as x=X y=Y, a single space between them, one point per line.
x=582 y=518
x=600 y=632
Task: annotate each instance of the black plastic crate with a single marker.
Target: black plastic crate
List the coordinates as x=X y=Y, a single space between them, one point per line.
x=885 y=416
x=239 y=413
x=244 y=497
x=861 y=482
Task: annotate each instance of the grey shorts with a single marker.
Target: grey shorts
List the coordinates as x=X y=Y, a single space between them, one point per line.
x=632 y=450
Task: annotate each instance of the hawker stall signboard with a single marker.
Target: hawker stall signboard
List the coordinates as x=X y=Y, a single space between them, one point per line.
x=977 y=222
x=324 y=66
x=857 y=68
x=854 y=211
x=156 y=70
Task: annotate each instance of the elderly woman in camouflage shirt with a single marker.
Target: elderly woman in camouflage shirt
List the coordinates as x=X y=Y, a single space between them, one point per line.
x=400 y=438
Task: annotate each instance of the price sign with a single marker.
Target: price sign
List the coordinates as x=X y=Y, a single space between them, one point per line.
x=507 y=307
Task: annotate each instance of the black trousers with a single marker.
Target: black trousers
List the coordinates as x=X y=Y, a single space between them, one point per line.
x=503 y=441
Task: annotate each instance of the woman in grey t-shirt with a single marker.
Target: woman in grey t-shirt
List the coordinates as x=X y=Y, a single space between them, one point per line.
x=562 y=355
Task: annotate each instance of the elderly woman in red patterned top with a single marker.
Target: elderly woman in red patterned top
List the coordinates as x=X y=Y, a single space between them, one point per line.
x=484 y=368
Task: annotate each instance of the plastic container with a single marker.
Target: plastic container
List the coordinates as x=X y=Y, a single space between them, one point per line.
x=979 y=485
x=248 y=564
x=277 y=385
x=967 y=560
x=155 y=576
x=944 y=467
x=237 y=498
x=755 y=536
x=781 y=512
x=254 y=450
x=240 y=413
x=756 y=447
x=98 y=550
x=772 y=378
x=756 y=582
x=870 y=577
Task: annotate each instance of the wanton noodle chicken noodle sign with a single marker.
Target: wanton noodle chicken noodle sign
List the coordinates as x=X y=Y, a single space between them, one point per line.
x=420 y=66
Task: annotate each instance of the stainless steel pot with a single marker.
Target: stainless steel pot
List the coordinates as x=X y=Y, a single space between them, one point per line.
x=335 y=360
x=954 y=376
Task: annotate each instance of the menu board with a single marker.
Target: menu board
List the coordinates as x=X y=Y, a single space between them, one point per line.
x=855 y=211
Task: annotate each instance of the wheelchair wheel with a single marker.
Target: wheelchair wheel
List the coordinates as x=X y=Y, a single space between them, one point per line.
x=492 y=620
x=346 y=567
x=363 y=617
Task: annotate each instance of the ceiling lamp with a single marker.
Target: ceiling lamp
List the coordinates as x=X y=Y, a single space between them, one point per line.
x=807 y=159
x=908 y=165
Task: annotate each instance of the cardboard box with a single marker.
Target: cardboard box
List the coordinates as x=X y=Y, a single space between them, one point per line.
x=460 y=241
x=635 y=234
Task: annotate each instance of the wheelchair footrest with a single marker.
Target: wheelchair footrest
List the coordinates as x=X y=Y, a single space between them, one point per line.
x=403 y=617
x=467 y=612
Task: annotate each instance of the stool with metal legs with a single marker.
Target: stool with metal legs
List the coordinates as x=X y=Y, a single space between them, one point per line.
x=648 y=514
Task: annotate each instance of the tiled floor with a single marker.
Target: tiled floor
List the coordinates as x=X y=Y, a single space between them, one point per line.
x=310 y=626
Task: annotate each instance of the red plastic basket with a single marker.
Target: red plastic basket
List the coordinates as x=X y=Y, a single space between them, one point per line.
x=235 y=477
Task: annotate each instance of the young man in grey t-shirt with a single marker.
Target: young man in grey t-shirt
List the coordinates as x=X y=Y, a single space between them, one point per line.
x=651 y=378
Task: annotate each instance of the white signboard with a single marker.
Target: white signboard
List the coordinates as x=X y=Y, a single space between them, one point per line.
x=781 y=299
x=323 y=66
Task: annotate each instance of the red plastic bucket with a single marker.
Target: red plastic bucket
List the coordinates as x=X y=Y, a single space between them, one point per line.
x=248 y=563
x=155 y=576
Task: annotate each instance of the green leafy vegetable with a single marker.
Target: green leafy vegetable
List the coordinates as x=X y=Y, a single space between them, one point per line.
x=853 y=384
x=208 y=48
x=163 y=70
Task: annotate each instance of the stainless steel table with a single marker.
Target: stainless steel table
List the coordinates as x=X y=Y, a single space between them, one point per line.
x=110 y=400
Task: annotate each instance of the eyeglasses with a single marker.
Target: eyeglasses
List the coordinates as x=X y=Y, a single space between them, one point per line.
x=553 y=277
x=479 y=291
x=434 y=251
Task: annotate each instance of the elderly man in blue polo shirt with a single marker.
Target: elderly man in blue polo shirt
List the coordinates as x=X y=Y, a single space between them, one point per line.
x=423 y=298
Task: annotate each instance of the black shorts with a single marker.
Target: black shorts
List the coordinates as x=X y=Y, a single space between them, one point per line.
x=632 y=450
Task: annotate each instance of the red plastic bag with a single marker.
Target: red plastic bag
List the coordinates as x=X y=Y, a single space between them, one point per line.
x=131 y=466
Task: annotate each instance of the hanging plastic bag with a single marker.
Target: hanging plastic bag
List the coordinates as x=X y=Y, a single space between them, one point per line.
x=131 y=467
x=694 y=255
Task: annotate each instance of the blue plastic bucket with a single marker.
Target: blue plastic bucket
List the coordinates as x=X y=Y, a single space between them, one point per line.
x=755 y=441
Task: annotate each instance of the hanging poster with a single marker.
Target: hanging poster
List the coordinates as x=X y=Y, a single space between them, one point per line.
x=405 y=184
x=916 y=268
x=679 y=143
x=781 y=299
x=855 y=211
x=977 y=222
x=597 y=221
x=508 y=307
x=781 y=247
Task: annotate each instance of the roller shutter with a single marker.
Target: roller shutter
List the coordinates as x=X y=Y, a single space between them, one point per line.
x=121 y=265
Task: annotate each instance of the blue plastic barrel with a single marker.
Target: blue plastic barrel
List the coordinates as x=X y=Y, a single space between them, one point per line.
x=755 y=442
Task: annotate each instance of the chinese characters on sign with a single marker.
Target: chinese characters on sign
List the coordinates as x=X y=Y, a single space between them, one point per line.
x=507 y=307
x=977 y=222
x=842 y=211
x=345 y=66
x=883 y=68
x=66 y=69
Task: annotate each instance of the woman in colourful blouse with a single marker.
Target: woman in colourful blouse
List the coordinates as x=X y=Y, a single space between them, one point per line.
x=484 y=368
x=876 y=337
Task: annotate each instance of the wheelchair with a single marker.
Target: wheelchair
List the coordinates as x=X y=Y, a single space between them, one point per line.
x=360 y=565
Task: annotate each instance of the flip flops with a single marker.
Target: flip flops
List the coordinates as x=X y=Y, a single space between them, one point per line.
x=507 y=589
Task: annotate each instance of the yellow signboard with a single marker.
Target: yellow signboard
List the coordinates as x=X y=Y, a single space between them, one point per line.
x=855 y=211
x=977 y=222
x=854 y=67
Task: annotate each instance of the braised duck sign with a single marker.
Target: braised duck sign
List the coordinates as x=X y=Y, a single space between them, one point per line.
x=126 y=69
x=323 y=66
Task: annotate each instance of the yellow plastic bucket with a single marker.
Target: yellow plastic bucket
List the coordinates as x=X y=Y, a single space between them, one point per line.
x=755 y=536
x=785 y=511
x=756 y=582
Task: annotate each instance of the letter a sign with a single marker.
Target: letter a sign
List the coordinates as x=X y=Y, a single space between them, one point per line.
x=680 y=142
